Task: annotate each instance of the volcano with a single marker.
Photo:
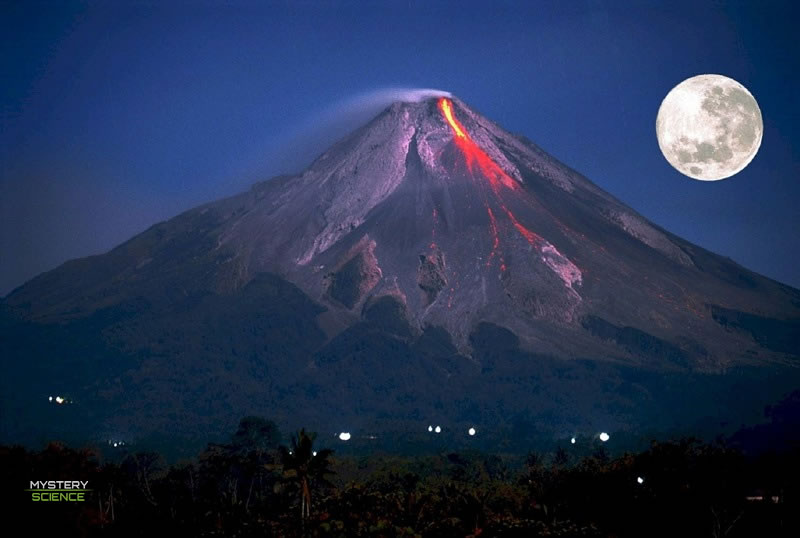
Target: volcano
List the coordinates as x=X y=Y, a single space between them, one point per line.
x=429 y=265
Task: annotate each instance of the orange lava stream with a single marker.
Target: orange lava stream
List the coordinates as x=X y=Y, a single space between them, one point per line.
x=529 y=236
x=447 y=110
x=474 y=155
x=496 y=240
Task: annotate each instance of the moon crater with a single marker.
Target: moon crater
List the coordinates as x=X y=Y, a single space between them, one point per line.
x=709 y=127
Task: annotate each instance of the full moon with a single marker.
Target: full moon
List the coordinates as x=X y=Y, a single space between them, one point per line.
x=709 y=127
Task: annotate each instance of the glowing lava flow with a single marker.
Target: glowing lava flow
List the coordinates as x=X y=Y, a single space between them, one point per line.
x=490 y=169
x=447 y=109
x=496 y=240
x=567 y=271
x=474 y=154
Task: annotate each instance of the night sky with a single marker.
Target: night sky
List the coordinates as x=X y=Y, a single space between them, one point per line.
x=120 y=115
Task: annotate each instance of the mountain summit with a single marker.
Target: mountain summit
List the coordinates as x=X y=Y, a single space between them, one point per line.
x=430 y=232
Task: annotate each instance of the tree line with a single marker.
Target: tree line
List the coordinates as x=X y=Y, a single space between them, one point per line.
x=258 y=485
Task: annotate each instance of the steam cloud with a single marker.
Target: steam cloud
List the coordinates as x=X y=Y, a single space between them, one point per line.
x=370 y=103
x=321 y=129
x=385 y=96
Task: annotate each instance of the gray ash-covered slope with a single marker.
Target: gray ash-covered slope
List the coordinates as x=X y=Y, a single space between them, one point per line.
x=414 y=268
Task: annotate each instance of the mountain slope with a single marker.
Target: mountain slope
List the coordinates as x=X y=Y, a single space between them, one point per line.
x=396 y=252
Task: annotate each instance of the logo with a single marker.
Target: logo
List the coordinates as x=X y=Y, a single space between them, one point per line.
x=58 y=490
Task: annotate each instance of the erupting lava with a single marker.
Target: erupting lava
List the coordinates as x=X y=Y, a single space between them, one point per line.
x=447 y=109
x=474 y=155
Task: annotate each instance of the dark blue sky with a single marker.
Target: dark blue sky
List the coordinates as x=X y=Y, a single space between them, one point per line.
x=119 y=114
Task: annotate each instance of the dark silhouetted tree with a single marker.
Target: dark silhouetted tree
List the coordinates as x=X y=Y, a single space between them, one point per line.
x=302 y=467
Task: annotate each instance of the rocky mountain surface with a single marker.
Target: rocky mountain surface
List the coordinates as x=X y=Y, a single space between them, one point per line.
x=428 y=265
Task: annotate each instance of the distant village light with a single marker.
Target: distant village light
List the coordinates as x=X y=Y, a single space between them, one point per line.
x=640 y=480
x=314 y=453
x=430 y=428
x=572 y=440
x=50 y=399
x=344 y=436
x=438 y=429
x=471 y=431
x=604 y=437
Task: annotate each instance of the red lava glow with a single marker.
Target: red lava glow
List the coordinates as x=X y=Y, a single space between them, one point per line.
x=476 y=157
x=473 y=153
x=447 y=110
x=529 y=236
x=495 y=240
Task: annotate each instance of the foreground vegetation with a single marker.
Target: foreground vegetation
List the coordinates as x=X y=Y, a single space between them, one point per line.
x=256 y=486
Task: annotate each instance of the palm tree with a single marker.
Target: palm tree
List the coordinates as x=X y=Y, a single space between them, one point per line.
x=305 y=467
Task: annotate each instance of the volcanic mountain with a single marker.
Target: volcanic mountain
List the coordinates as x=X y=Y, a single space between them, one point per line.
x=429 y=265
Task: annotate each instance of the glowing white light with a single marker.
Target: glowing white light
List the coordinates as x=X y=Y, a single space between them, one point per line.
x=640 y=480
x=115 y=445
x=604 y=437
x=438 y=429
x=50 y=399
x=314 y=453
x=430 y=428
x=572 y=440
x=344 y=436
x=471 y=431
x=59 y=400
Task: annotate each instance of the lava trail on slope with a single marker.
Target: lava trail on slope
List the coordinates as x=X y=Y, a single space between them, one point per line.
x=479 y=162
